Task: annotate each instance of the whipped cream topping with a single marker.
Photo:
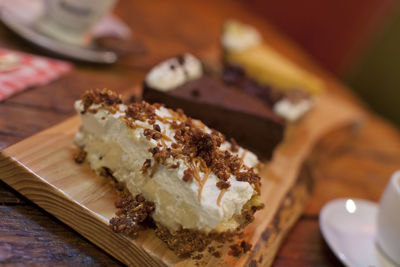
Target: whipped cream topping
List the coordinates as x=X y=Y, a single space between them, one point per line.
x=292 y=111
x=174 y=72
x=237 y=36
x=110 y=143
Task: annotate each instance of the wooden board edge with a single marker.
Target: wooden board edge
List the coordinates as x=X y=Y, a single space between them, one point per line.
x=59 y=205
x=289 y=211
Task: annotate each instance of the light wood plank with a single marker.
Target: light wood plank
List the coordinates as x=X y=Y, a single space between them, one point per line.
x=42 y=168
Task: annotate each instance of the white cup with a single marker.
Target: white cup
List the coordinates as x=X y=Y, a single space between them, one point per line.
x=388 y=232
x=71 y=21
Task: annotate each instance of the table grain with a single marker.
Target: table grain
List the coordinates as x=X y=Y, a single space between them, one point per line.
x=353 y=162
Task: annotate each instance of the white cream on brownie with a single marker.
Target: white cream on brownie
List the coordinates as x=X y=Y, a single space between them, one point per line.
x=174 y=72
x=116 y=137
x=238 y=37
x=292 y=111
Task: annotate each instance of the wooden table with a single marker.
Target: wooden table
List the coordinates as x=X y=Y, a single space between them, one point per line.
x=352 y=162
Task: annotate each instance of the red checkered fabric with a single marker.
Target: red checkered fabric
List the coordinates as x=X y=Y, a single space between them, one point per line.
x=32 y=71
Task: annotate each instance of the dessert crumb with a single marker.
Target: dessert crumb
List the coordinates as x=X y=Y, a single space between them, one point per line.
x=238 y=249
x=80 y=156
x=197 y=257
x=213 y=251
x=216 y=254
x=260 y=259
x=106 y=172
x=253 y=263
x=131 y=215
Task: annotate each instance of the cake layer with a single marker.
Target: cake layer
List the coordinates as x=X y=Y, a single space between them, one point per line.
x=195 y=178
x=233 y=112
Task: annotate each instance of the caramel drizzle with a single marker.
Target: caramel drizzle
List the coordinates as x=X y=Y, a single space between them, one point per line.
x=140 y=126
x=221 y=194
x=195 y=168
x=164 y=136
x=153 y=169
x=177 y=117
x=168 y=119
x=203 y=181
x=167 y=138
x=131 y=124
x=163 y=143
x=243 y=155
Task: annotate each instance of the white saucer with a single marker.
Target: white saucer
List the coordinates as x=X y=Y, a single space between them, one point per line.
x=349 y=227
x=23 y=27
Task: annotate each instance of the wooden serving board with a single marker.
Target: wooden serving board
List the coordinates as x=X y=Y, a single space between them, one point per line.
x=42 y=168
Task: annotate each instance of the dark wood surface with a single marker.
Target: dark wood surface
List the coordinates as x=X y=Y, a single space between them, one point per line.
x=352 y=162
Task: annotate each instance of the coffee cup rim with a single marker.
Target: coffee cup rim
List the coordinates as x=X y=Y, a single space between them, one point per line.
x=395 y=181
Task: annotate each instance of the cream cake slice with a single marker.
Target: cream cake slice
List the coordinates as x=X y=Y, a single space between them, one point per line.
x=188 y=174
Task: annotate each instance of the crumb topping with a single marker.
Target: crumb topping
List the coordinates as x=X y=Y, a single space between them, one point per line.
x=141 y=111
x=184 y=241
x=98 y=96
x=223 y=185
x=131 y=214
x=152 y=134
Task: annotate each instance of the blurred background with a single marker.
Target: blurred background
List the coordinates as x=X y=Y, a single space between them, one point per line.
x=357 y=40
